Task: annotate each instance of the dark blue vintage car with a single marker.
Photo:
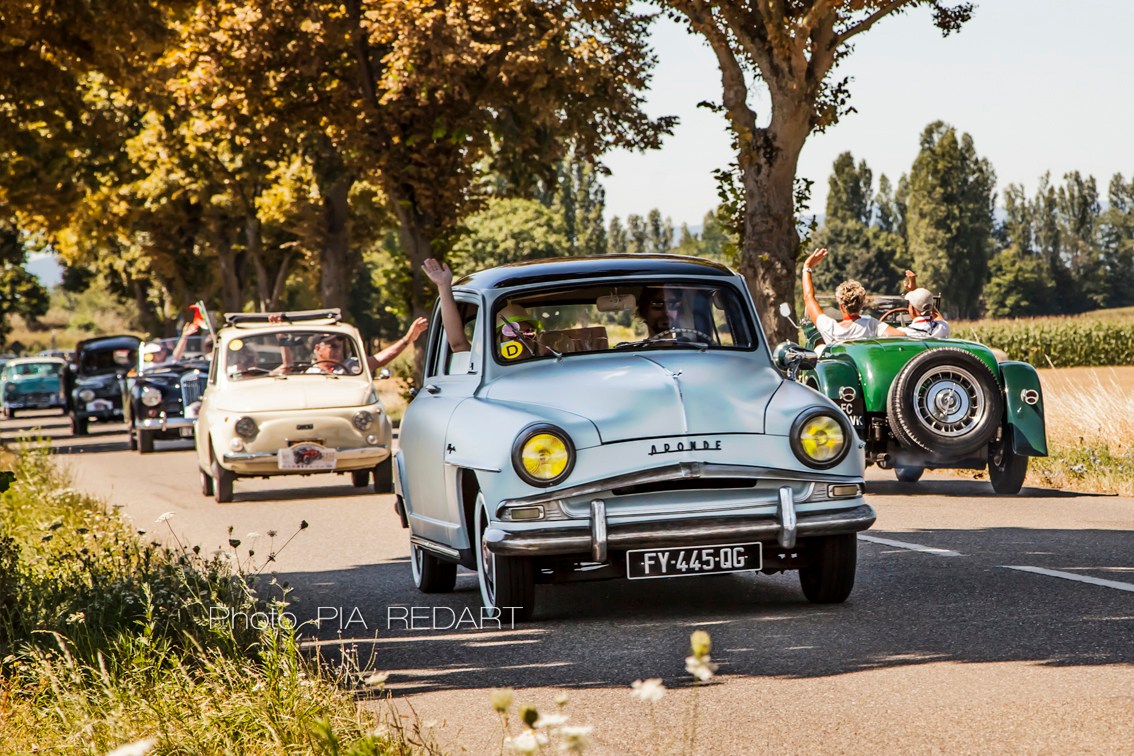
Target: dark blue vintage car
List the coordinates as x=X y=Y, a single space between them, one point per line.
x=164 y=395
x=96 y=379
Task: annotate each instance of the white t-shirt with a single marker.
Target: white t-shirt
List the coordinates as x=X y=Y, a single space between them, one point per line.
x=924 y=328
x=833 y=331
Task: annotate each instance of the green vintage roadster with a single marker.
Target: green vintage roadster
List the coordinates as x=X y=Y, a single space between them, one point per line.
x=919 y=404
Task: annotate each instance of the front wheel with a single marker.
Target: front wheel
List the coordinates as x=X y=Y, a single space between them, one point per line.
x=384 y=476
x=830 y=578
x=206 y=484
x=79 y=426
x=430 y=573
x=145 y=442
x=222 y=483
x=507 y=584
x=1006 y=468
x=359 y=478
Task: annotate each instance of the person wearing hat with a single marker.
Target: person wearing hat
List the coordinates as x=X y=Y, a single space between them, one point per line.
x=516 y=330
x=926 y=321
x=851 y=297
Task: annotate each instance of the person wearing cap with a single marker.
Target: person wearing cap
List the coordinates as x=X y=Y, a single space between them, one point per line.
x=851 y=297
x=926 y=321
x=665 y=309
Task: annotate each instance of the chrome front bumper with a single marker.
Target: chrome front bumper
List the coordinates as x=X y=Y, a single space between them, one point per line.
x=163 y=423
x=599 y=537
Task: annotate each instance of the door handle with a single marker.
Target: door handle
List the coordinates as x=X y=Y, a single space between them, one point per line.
x=433 y=388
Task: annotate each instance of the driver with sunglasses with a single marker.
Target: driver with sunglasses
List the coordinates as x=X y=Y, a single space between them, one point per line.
x=666 y=312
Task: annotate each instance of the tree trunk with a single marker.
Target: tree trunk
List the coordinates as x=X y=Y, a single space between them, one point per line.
x=253 y=242
x=770 y=244
x=336 y=268
x=415 y=243
x=147 y=317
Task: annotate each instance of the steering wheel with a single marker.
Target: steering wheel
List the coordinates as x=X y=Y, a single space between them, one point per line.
x=685 y=333
x=896 y=312
x=333 y=363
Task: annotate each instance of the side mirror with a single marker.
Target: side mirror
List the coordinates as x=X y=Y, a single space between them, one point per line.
x=785 y=309
x=413 y=391
x=384 y=373
x=792 y=358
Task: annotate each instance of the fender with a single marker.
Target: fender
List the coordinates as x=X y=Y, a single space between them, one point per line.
x=837 y=379
x=401 y=506
x=1023 y=408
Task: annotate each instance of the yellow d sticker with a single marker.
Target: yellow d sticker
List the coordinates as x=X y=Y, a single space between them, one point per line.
x=510 y=350
x=235 y=344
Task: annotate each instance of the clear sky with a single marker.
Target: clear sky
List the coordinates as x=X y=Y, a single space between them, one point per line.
x=1041 y=85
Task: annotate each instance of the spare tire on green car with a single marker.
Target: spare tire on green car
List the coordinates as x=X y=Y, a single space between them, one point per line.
x=945 y=401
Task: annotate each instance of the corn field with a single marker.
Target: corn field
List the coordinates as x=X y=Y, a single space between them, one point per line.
x=1090 y=340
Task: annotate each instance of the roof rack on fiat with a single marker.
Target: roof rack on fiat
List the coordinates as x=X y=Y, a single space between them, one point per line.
x=328 y=316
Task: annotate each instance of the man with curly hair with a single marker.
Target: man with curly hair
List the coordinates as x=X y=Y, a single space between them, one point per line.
x=851 y=297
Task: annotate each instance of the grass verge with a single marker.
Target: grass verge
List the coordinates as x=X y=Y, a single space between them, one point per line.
x=106 y=640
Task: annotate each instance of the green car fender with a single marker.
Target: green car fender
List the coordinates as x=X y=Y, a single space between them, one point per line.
x=837 y=379
x=1023 y=408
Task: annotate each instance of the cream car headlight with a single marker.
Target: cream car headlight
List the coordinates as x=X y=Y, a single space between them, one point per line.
x=151 y=397
x=362 y=420
x=86 y=395
x=246 y=427
x=543 y=455
x=819 y=438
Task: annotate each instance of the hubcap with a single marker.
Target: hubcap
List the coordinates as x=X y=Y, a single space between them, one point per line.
x=949 y=401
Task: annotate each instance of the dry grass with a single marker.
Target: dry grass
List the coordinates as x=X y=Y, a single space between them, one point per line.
x=1090 y=430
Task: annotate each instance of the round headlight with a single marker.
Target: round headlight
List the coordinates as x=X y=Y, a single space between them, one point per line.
x=543 y=455
x=86 y=395
x=246 y=427
x=362 y=420
x=819 y=439
x=151 y=397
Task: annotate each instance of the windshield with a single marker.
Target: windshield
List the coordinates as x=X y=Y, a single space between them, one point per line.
x=291 y=352
x=34 y=369
x=604 y=318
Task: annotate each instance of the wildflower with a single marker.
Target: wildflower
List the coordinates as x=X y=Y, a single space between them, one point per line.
x=164 y=517
x=137 y=748
x=303 y=525
x=524 y=743
x=271 y=534
x=529 y=715
x=561 y=700
x=700 y=644
x=501 y=699
x=378 y=678
x=75 y=618
x=550 y=720
x=234 y=542
x=700 y=667
x=253 y=534
x=649 y=691
x=574 y=738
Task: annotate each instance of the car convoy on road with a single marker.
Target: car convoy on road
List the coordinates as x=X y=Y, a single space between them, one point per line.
x=615 y=417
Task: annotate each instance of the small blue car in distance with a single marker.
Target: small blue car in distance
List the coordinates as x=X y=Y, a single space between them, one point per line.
x=33 y=383
x=620 y=416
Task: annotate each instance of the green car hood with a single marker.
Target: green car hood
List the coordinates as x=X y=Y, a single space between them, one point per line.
x=878 y=361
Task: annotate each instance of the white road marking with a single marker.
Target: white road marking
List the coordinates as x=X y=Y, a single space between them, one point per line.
x=910 y=546
x=1072 y=576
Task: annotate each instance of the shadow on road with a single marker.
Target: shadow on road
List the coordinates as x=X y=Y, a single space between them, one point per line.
x=903 y=612
x=962 y=489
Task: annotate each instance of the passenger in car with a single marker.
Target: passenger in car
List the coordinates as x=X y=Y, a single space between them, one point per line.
x=926 y=320
x=851 y=297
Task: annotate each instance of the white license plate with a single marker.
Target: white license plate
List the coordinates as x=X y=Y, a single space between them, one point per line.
x=683 y=561
x=306 y=456
x=187 y=431
x=97 y=405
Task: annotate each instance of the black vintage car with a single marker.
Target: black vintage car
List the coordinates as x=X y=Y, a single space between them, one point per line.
x=96 y=379
x=163 y=397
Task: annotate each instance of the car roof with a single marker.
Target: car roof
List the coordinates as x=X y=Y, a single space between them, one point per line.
x=600 y=266
x=118 y=341
x=27 y=360
x=242 y=331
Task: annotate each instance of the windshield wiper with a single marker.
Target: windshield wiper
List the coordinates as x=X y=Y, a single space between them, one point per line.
x=648 y=343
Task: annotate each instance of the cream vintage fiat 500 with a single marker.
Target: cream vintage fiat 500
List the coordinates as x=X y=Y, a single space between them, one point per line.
x=290 y=394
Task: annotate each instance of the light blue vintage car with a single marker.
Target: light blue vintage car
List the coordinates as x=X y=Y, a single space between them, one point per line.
x=620 y=416
x=33 y=383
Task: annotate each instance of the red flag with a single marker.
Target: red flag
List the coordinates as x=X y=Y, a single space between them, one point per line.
x=198 y=316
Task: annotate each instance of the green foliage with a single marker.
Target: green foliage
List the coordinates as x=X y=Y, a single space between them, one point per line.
x=849 y=193
x=1018 y=286
x=869 y=255
x=507 y=231
x=949 y=217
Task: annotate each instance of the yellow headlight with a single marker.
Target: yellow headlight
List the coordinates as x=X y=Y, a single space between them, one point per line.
x=545 y=456
x=822 y=438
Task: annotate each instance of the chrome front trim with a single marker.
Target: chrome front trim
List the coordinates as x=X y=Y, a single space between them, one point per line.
x=598 y=530
x=434 y=547
x=678 y=471
x=788 y=522
x=640 y=535
x=163 y=423
x=339 y=453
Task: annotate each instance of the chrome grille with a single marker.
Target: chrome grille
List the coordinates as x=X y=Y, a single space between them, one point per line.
x=192 y=386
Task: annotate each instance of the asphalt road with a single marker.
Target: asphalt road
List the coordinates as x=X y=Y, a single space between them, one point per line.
x=978 y=623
